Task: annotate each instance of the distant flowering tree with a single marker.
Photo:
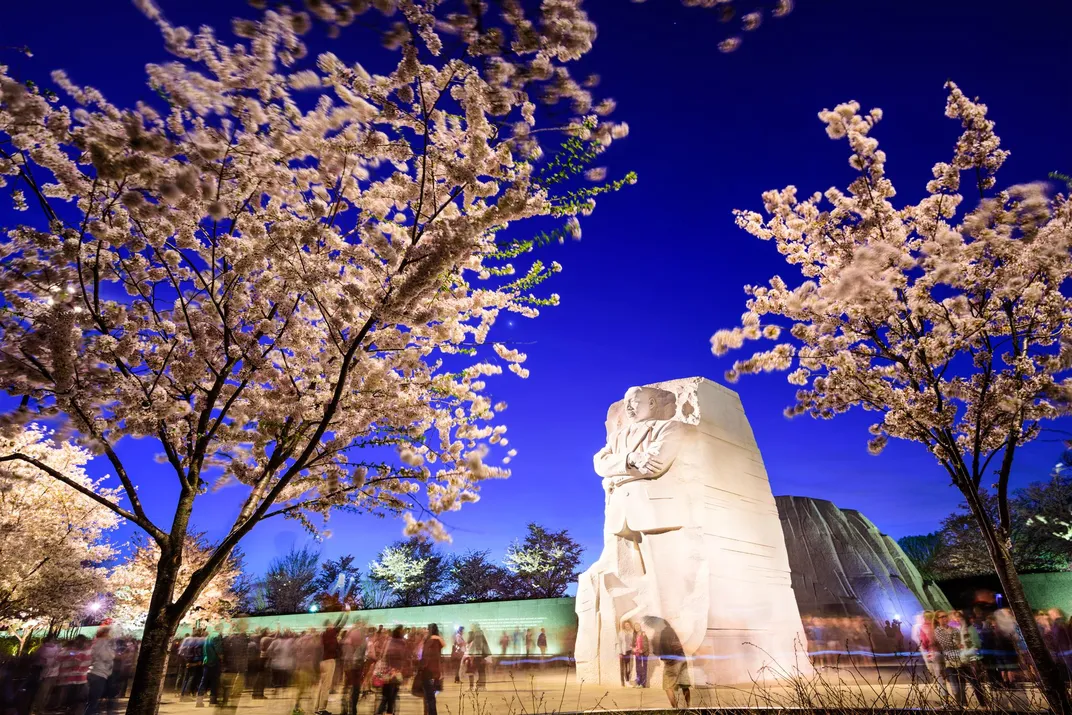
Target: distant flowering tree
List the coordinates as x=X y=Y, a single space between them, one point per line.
x=544 y=564
x=957 y=335
x=53 y=535
x=131 y=584
x=415 y=572
x=276 y=261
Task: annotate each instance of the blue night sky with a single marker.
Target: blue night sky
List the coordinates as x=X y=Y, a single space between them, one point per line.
x=661 y=265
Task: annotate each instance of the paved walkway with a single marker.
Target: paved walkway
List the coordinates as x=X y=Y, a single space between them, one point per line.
x=538 y=693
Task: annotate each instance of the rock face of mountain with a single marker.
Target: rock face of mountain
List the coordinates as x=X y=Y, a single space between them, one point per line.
x=842 y=565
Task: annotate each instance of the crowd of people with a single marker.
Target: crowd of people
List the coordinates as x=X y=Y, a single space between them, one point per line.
x=359 y=662
x=641 y=641
x=79 y=676
x=220 y=666
x=980 y=650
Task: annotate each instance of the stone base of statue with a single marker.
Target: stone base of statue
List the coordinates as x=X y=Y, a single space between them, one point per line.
x=692 y=544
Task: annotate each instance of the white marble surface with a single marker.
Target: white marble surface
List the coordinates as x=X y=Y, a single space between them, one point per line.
x=692 y=537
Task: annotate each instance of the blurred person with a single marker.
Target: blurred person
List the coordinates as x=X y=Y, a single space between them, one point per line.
x=280 y=653
x=234 y=667
x=126 y=657
x=947 y=637
x=306 y=665
x=457 y=653
x=329 y=652
x=667 y=647
x=192 y=653
x=176 y=665
x=477 y=651
x=923 y=635
x=625 y=647
x=835 y=643
x=641 y=652
x=1057 y=640
x=429 y=670
x=414 y=638
x=541 y=643
x=389 y=671
x=1009 y=646
x=974 y=673
x=529 y=641
x=353 y=648
x=211 y=666
x=72 y=680
x=257 y=664
x=504 y=643
x=102 y=663
x=48 y=669
x=515 y=640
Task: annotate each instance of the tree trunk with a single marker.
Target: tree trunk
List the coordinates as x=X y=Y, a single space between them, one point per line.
x=160 y=625
x=1050 y=679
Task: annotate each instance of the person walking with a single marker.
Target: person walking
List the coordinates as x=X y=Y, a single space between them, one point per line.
x=429 y=670
x=329 y=646
x=234 y=666
x=75 y=661
x=102 y=661
x=210 y=669
x=625 y=647
x=504 y=644
x=947 y=638
x=192 y=651
x=389 y=671
x=478 y=652
x=541 y=643
x=457 y=653
x=974 y=672
x=667 y=646
x=354 y=649
x=641 y=651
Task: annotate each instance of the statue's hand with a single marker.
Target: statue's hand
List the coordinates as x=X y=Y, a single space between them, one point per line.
x=646 y=463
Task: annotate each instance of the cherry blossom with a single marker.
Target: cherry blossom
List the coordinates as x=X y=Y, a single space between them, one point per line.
x=284 y=270
x=950 y=325
x=131 y=583
x=52 y=537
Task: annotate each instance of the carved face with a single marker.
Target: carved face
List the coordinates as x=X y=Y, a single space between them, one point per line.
x=647 y=403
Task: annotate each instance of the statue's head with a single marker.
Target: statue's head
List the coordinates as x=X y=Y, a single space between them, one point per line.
x=615 y=418
x=649 y=403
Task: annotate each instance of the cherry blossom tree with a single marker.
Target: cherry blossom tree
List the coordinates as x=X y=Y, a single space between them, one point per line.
x=132 y=582
x=954 y=332
x=544 y=564
x=413 y=570
x=52 y=537
x=285 y=270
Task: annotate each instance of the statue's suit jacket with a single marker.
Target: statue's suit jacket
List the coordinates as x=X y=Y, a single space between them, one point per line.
x=645 y=503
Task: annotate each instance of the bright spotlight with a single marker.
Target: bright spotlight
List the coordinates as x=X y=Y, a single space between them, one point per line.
x=95 y=606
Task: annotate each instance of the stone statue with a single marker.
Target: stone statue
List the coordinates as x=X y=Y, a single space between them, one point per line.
x=679 y=457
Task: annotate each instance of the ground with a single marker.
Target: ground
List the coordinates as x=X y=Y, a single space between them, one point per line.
x=557 y=691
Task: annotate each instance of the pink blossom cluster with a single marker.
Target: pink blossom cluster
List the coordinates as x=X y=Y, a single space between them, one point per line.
x=286 y=269
x=956 y=331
